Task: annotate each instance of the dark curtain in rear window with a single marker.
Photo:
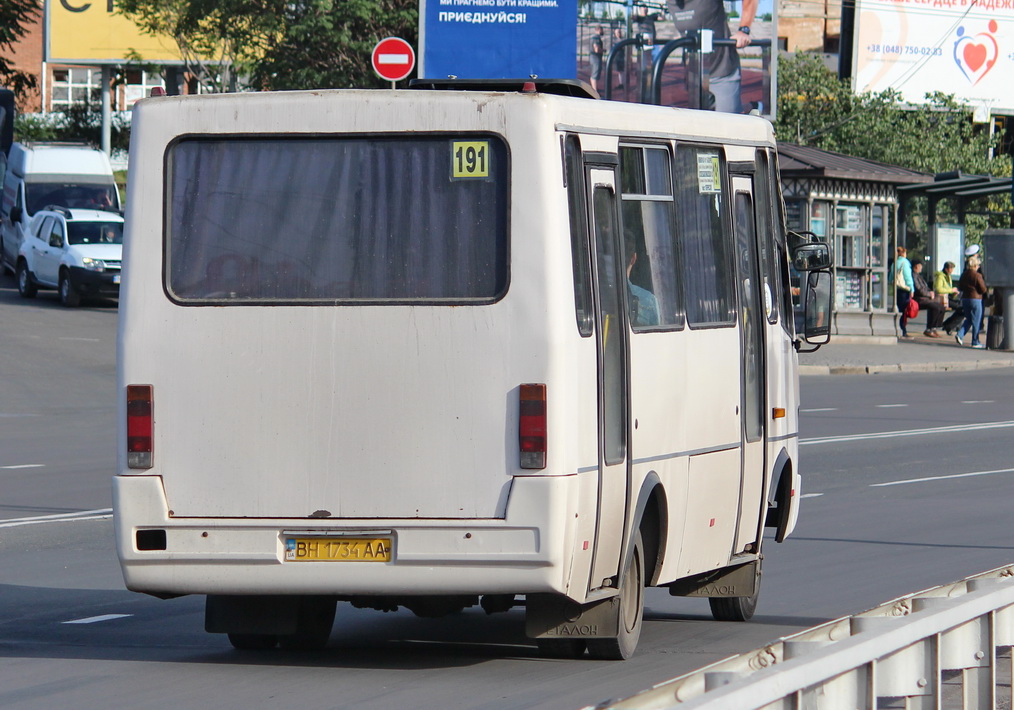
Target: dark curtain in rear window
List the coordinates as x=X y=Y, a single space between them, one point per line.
x=338 y=219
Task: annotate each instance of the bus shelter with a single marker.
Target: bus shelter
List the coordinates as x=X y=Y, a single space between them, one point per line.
x=853 y=204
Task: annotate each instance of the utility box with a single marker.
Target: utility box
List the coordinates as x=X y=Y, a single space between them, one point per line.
x=998 y=267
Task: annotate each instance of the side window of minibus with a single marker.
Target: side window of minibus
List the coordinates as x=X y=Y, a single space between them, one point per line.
x=769 y=234
x=703 y=224
x=649 y=238
x=576 y=202
x=782 y=250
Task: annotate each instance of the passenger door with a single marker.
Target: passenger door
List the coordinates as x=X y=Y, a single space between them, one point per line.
x=752 y=379
x=609 y=277
x=49 y=247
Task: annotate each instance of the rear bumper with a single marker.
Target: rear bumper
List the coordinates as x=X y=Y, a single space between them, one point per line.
x=524 y=553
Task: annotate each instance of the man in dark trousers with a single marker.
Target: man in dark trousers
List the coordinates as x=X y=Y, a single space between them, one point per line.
x=723 y=62
x=595 y=53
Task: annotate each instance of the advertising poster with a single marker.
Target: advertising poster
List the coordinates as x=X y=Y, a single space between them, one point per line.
x=960 y=47
x=497 y=39
x=91 y=32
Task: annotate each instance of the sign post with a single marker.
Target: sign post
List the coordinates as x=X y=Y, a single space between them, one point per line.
x=393 y=59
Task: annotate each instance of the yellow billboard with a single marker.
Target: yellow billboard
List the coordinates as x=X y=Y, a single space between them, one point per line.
x=91 y=32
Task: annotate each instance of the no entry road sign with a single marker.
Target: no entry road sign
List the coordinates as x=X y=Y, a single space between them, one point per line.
x=393 y=59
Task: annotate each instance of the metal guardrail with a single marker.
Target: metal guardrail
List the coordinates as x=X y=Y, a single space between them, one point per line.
x=932 y=649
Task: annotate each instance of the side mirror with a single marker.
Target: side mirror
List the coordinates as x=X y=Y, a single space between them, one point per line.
x=811 y=256
x=817 y=302
x=15 y=215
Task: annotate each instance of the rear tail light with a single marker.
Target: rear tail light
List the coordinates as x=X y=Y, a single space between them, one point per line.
x=139 y=426
x=532 y=428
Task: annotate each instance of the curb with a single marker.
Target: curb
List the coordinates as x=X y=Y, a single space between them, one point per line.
x=807 y=370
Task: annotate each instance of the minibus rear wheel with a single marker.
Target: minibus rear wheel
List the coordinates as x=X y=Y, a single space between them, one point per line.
x=561 y=648
x=735 y=608
x=631 y=612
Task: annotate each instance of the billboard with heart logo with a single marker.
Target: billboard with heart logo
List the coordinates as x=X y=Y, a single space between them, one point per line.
x=960 y=47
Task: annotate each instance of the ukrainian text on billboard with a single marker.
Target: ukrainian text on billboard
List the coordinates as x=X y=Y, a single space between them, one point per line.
x=498 y=39
x=960 y=47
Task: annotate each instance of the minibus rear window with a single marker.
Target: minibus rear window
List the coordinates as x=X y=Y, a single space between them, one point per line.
x=337 y=219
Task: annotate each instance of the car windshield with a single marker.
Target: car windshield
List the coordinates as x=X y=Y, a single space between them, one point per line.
x=39 y=195
x=95 y=232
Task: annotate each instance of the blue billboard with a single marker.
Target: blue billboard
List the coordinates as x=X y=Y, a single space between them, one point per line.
x=498 y=39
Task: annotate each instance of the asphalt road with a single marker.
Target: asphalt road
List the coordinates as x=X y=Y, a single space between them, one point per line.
x=944 y=515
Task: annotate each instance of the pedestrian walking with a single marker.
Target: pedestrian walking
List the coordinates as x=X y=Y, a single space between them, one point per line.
x=595 y=52
x=973 y=287
x=620 y=63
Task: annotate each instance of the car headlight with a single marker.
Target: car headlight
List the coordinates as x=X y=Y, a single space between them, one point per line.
x=93 y=264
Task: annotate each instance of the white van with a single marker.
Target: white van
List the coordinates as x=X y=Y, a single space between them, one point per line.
x=50 y=175
x=436 y=348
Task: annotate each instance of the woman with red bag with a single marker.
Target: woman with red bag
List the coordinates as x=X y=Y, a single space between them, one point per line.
x=903 y=287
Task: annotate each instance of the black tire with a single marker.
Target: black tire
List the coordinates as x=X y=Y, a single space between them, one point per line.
x=253 y=642
x=69 y=297
x=631 y=612
x=26 y=286
x=734 y=608
x=561 y=648
x=316 y=617
x=5 y=266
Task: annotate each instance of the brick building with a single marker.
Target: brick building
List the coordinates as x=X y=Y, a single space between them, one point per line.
x=61 y=85
x=809 y=25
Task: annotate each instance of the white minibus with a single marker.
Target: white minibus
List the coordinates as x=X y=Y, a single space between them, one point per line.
x=492 y=343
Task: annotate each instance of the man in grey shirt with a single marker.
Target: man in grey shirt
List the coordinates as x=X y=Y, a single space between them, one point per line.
x=723 y=62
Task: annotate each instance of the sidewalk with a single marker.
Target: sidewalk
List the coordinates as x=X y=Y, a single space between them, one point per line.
x=859 y=355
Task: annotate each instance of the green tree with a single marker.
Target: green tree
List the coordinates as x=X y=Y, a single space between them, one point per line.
x=329 y=43
x=275 y=44
x=15 y=16
x=816 y=108
x=213 y=36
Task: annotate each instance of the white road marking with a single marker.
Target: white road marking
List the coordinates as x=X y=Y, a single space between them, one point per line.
x=908 y=432
x=889 y=406
x=8 y=415
x=820 y=409
x=86 y=340
x=96 y=619
x=98 y=514
x=941 y=478
x=811 y=495
x=24 y=465
x=979 y=401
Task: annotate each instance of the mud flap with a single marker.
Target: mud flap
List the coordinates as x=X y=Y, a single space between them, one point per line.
x=739 y=581
x=556 y=616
